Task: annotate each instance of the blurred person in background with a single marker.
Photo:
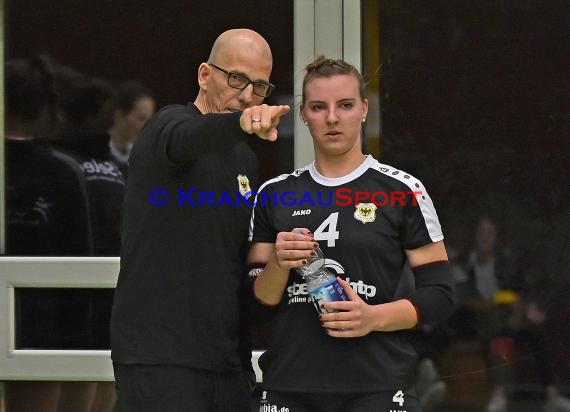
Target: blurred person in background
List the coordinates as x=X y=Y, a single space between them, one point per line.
x=134 y=105
x=487 y=292
x=45 y=193
x=46 y=215
x=87 y=112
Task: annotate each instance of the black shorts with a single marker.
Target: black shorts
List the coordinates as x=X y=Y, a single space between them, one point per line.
x=154 y=388
x=389 y=401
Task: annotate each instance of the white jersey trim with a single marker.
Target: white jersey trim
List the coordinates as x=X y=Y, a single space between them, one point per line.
x=424 y=200
x=337 y=181
x=284 y=176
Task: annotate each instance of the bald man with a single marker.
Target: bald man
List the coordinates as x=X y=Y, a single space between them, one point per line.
x=178 y=336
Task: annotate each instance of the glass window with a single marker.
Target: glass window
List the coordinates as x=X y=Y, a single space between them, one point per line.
x=89 y=50
x=58 y=318
x=469 y=97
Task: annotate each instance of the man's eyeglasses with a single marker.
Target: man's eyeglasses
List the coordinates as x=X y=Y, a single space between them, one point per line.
x=239 y=81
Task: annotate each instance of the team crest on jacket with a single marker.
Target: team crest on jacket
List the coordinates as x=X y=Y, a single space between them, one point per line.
x=243 y=185
x=365 y=212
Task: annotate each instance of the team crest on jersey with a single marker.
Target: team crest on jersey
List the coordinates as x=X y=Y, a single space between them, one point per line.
x=243 y=185
x=365 y=212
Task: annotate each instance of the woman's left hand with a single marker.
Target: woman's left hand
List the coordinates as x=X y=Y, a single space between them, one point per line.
x=354 y=317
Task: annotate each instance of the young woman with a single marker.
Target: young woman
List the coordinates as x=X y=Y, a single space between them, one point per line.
x=134 y=105
x=369 y=219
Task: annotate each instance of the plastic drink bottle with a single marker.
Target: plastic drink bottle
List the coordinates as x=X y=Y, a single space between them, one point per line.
x=322 y=285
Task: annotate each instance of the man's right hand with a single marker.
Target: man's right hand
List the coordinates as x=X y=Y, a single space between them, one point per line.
x=262 y=120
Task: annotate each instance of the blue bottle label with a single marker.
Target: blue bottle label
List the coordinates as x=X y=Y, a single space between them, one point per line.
x=329 y=292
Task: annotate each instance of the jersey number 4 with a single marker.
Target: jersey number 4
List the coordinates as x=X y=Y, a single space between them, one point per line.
x=398 y=398
x=327 y=230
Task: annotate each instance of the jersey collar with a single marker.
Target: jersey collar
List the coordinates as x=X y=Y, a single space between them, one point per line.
x=337 y=181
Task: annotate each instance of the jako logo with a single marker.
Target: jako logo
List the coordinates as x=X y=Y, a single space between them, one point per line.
x=301 y=212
